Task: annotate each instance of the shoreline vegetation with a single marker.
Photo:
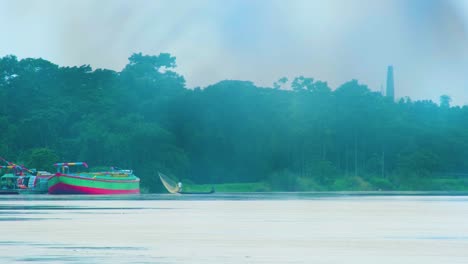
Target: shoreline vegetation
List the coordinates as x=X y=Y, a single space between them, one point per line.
x=350 y=184
x=298 y=134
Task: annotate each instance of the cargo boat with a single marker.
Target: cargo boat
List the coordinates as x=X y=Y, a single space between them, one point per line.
x=114 y=181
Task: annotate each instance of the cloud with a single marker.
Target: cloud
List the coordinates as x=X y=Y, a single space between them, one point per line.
x=260 y=40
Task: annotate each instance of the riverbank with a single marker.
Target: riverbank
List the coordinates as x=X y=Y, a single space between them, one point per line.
x=341 y=184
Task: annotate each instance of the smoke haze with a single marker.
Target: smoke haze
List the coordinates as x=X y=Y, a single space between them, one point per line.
x=425 y=40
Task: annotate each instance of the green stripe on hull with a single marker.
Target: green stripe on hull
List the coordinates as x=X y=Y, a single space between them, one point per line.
x=117 y=184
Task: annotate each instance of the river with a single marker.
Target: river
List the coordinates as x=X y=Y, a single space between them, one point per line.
x=235 y=228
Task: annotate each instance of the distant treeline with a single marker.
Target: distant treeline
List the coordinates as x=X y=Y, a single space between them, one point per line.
x=304 y=138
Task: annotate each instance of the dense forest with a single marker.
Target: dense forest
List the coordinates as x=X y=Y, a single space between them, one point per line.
x=303 y=138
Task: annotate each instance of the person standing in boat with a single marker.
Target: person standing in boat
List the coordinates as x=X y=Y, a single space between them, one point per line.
x=179 y=184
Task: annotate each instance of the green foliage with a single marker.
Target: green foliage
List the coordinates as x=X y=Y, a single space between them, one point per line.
x=284 y=181
x=309 y=138
x=381 y=184
x=99 y=168
x=41 y=159
x=229 y=187
x=280 y=83
x=420 y=162
x=351 y=184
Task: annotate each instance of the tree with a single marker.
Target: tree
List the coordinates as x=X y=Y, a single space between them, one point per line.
x=280 y=83
x=144 y=119
x=42 y=159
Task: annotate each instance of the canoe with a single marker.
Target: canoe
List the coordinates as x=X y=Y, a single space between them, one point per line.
x=209 y=192
x=175 y=188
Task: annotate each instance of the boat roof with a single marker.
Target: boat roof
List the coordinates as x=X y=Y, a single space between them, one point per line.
x=9 y=175
x=71 y=164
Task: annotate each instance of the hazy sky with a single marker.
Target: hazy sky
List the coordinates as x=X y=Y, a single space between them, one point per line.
x=258 y=40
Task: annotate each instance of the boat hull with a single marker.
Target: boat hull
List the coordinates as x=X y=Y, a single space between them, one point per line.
x=10 y=191
x=68 y=184
x=25 y=184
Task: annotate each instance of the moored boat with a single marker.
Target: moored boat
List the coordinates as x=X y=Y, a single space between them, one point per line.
x=23 y=180
x=114 y=181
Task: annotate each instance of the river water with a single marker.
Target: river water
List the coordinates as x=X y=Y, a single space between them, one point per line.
x=235 y=228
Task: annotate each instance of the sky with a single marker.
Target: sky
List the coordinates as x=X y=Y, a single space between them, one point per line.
x=426 y=41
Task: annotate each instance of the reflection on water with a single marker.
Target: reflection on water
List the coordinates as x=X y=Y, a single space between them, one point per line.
x=236 y=228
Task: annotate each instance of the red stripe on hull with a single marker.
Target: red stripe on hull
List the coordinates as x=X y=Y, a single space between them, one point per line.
x=92 y=178
x=62 y=188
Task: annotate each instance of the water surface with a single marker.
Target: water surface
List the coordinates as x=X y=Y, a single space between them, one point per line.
x=235 y=228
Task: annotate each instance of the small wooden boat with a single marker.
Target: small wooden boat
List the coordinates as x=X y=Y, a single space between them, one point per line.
x=209 y=192
x=173 y=187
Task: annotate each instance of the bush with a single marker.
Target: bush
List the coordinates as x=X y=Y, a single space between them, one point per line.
x=381 y=183
x=41 y=159
x=354 y=183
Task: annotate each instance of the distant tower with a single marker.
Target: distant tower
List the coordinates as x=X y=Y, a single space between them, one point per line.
x=390 y=84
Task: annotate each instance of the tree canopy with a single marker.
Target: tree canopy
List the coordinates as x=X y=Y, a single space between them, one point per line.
x=309 y=137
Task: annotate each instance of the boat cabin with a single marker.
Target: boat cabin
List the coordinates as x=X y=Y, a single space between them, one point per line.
x=8 y=182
